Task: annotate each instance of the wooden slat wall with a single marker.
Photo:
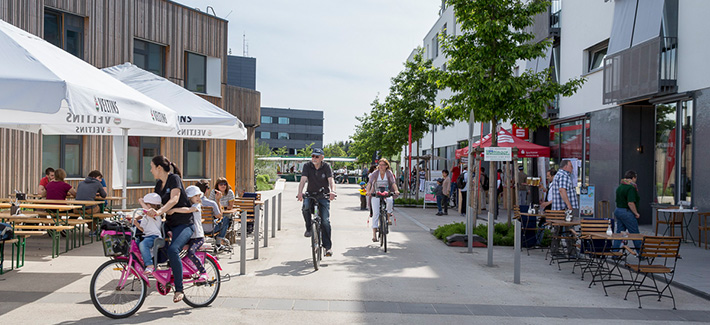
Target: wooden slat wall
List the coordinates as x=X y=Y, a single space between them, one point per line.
x=110 y=28
x=245 y=104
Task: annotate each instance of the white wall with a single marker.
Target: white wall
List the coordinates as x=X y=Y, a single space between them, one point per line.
x=214 y=77
x=583 y=24
x=693 y=45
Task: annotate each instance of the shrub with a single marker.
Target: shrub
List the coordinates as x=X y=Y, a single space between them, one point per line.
x=447 y=230
x=408 y=201
x=262 y=183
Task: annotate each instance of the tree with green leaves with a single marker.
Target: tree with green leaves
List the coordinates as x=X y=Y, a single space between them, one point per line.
x=307 y=150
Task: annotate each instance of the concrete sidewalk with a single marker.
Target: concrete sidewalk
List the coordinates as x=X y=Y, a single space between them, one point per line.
x=419 y=281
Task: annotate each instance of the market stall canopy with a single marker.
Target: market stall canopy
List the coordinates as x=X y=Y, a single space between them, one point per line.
x=198 y=118
x=45 y=87
x=507 y=140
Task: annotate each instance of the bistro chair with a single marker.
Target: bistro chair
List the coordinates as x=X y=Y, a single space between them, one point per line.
x=588 y=246
x=530 y=232
x=672 y=221
x=703 y=227
x=557 y=237
x=658 y=255
x=603 y=210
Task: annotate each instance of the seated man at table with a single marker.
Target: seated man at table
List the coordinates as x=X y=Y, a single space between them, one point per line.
x=88 y=188
x=48 y=177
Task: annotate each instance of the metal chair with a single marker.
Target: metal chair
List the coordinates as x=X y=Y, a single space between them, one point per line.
x=658 y=255
x=603 y=210
x=676 y=219
x=703 y=227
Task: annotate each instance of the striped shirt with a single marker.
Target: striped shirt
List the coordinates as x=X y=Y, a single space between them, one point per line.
x=563 y=179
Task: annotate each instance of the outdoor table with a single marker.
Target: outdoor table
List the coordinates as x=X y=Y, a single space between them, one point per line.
x=5 y=205
x=110 y=198
x=58 y=207
x=668 y=214
x=605 y=275
x=558 y=228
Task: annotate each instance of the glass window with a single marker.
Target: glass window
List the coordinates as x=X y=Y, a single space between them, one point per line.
x=283 y=136
x=435 y=46
x=283 y=120
x=66 y=31
x=266 y=119
x=665 y=153
x=266 y=135
x=141 y=151
x=63 y=152
x=596 y=59
x=149 y=56
x=196 y=72
x=686 y=150
x=194 y=159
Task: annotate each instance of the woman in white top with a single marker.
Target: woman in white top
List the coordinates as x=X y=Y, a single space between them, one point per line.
x=548 y=198
x=382 y=177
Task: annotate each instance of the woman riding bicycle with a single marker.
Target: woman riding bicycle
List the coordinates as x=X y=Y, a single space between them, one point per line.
x=172 y=194
x=381 y=178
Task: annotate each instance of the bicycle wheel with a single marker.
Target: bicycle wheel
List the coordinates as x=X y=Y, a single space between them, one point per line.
x=383 y=223
x=203 y=294
x=110 y=299
x=315 y=245
x=385 y=232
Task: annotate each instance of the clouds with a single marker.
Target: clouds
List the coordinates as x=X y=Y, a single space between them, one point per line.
x=328 y=55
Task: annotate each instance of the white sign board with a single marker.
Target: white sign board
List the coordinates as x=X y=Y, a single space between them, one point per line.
x=498 y=154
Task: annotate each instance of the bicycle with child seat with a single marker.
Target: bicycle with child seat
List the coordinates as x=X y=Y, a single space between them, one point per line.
x=118 y=287
x=383 y=228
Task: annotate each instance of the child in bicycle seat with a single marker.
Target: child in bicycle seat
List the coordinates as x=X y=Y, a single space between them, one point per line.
x=194 y=194
x=150 y=226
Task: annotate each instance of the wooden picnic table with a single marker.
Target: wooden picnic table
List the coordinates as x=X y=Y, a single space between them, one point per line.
x=72 y=202
x=5 y=205
x=54 y=231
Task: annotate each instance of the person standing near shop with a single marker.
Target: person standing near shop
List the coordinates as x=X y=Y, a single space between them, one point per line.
x=522 y=187
x=563 y=189
x=446 y=190
x=464 y=191
x=455 y=172
x=626 y=212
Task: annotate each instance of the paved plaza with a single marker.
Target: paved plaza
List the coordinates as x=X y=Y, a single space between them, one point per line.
x=418 y=281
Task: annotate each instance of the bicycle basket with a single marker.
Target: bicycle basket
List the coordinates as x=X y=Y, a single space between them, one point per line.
x=115 y=243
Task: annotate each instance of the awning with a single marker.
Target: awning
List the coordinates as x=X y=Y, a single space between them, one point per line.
x=198 y=118
x=634 y=23
x=45 y=87
x=507 y=140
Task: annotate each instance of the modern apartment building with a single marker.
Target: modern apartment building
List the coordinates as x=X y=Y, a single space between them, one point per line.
x=179 y=43
x=642 y=107
x=291 y=128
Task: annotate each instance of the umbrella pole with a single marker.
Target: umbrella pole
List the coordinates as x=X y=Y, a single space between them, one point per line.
x=124 y=167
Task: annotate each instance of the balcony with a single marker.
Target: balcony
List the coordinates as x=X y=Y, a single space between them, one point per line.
x=642 y=71
x=555 y=15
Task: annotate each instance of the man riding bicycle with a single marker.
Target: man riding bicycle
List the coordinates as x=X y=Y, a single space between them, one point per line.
x=319 y=176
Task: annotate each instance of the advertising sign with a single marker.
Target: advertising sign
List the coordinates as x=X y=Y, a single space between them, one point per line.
x=429 y=196
x=586 y=202
x=498 y=154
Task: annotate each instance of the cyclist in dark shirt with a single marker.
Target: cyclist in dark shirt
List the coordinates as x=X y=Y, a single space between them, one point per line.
x=319 y=176
x=172 y=194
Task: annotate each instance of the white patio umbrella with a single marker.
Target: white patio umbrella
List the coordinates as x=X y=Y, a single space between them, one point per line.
x=198 y=118
x=45 y=87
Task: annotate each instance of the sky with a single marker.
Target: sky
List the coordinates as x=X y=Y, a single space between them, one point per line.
x=336 y=56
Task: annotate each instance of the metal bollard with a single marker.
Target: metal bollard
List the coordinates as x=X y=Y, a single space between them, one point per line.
x=280 y=206
x=257 y=217
x=516 y=262
x=273 y=217
x=243 y=246
x=266 y=223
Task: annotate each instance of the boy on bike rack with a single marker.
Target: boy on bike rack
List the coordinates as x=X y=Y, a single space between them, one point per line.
x=318 y=174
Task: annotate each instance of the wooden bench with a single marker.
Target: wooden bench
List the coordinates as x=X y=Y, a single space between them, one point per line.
x=249 y=205
x=2 y=254
x=53 y=231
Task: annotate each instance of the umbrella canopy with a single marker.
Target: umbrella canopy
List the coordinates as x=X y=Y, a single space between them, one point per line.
x=43 y=86
x=198 y=118
x=506 y=139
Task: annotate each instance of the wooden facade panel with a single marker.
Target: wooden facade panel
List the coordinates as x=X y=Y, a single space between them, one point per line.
x=243 y=103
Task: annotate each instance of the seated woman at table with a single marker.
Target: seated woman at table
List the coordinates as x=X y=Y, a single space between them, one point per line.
x=221 y=224
x=224 y=196
x=57 y=189
x=89 y=188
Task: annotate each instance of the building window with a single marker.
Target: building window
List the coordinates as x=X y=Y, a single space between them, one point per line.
x=194 y=158
x=595 y=56
x=568 y=141
x=283 y=136
x=196 y=72
x=435 y=46
x=149 y=57
x=64 y=30
x=141 y=151
x=266 y=119
x=266 y=135
x=62 y=151
x=283 y=120
x=669 y=159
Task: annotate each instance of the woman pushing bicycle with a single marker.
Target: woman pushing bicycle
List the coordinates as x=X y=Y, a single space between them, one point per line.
x=382 y=177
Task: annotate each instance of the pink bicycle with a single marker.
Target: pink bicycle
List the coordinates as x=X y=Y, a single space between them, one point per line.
x=119 y=287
